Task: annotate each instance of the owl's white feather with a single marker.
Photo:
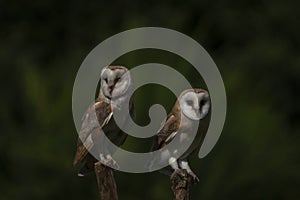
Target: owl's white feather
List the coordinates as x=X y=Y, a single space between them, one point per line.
x=115 y=82
x=195 y=106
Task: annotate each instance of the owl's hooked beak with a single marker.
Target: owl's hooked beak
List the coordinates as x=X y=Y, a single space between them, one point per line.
x=110 y=85
x=110 y=89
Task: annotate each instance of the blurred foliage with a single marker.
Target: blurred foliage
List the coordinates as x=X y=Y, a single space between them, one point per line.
x=254 y=43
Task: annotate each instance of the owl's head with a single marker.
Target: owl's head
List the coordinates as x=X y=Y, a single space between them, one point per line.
x=115 y=81
x=194 y=103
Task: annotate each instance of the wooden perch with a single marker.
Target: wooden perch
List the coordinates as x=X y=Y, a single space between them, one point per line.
x=106 y=182
x=181 y=182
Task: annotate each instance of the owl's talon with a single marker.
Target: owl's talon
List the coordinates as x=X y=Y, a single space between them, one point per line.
x=195 y=177
x=178 y=172
x=183 y=173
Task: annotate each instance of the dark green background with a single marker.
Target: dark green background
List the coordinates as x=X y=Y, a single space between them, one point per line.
x=254 y=43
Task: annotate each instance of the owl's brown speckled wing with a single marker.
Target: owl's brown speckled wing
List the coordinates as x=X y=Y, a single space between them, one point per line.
x=167 y=132
x=96 y=116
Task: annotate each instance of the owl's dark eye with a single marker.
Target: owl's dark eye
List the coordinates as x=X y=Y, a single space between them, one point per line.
x=189 y=102
x=202 y=103
x=105 y=80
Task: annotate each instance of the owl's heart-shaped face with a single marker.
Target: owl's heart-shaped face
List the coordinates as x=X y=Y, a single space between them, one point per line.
x=195 y=104
x=115 y=81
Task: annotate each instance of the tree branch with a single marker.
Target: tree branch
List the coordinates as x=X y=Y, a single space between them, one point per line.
x=181 y=182
x=106 y=182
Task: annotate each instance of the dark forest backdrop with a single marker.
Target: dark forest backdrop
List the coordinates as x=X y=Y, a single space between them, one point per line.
x=254 y=43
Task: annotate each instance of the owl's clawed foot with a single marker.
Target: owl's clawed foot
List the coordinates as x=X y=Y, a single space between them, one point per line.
x=183 y=174
x=109 y=161
x=179 y=172
x=195 y=177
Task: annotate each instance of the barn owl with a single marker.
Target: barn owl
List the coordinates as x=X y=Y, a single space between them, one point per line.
x=115 y=89
x=191 y=108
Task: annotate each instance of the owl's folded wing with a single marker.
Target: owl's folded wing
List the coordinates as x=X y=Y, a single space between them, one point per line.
x=96 y=116
x=167 y=132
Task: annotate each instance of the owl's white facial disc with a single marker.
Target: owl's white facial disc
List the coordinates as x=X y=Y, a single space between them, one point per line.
x=195 y=105
x=115 y=81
